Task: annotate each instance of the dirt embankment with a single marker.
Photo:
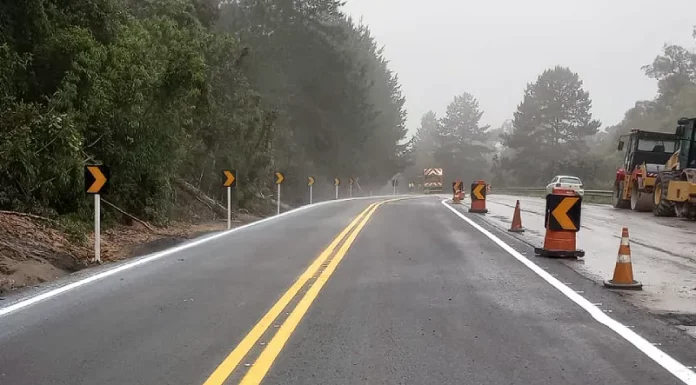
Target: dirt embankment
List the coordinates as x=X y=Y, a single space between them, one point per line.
x=33 y=250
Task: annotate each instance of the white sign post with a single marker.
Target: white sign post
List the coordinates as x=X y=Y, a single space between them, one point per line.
x=229 y=208
x=279 y=179
x=310 y=194
x=336 y=192
x=278 y=202
x=97 y=228
x=96 y=183
x=230 y=181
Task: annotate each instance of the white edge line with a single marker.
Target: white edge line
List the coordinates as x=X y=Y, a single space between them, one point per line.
x=143 y=260
x=663 y=359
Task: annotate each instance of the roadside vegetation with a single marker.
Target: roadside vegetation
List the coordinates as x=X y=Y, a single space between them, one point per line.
x=168 y=93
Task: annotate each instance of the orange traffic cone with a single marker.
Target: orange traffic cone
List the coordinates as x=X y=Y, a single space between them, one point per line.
x=516 y=220
x=623 y=272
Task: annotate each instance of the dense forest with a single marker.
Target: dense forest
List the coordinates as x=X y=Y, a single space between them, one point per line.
x=165 y=91
x=171 y=92
x=553 y=130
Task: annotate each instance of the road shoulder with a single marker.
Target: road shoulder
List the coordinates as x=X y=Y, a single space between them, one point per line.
x=653 y=327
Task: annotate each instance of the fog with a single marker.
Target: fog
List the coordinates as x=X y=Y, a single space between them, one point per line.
x=493 y=49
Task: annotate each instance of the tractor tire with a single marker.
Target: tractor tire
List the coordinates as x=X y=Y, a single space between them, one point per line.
x=662 y=207
x=640 y=201
x=616 y=200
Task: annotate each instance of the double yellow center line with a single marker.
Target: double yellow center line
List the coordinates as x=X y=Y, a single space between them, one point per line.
x=260 y=367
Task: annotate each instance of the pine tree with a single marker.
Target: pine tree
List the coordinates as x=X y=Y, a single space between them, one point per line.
x=460 y=140
x=550 y=126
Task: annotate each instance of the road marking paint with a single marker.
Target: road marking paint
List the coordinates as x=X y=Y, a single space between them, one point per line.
x=263 y=363
x=152 y=257
x=663 y=359
x=228 y=365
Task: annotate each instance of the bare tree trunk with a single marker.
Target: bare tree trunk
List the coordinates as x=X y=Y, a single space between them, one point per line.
x=197 y=193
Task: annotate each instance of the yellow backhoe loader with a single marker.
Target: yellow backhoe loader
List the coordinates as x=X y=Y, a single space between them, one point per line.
x=675 y=186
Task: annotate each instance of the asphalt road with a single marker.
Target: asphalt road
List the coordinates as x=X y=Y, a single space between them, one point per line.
x=411 y=294
x=663 y=250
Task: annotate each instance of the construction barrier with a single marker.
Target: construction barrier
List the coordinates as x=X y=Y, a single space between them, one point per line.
x=562 y=222
x=516 y=226
x=457 y=192
x=623 y=272
x=478 y=197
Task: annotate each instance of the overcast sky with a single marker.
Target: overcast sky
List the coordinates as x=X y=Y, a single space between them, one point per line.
x=493 y=48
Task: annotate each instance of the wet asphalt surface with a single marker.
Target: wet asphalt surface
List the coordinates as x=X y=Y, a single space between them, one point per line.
x=421 y=297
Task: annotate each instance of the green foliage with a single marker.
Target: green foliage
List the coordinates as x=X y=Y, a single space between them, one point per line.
x=457 y=143
x=461 y=140
x=551 y=127
x=675 y=72
x=164 y=89
x=340 y=109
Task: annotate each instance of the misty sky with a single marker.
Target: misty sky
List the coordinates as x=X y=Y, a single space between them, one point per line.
x=492 y=49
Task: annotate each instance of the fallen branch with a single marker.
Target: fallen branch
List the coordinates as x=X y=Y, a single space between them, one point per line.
x=27 y=215
x=274 y=202
x=128 y=215
x=206 y=205
x=196 y=192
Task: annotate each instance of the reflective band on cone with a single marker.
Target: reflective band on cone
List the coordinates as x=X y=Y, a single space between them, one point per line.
x=623 y=272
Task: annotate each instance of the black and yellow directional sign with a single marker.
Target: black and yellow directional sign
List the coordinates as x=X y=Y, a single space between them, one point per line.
x=337 y=182
x=563 y=212
x=458 y=185
x=310 y=181
x=478 y=192
x=230 y=178
x=279 y=177
x=97 y=179
x=351 y=180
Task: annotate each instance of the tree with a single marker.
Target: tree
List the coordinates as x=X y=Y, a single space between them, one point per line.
x=164 y=90
x=423 y=146
x=340 y=108
x=499 y=173
x=550 y=126
x=424 y=140
x=460 y=140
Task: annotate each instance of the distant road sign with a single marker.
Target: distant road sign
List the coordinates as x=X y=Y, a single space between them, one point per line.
x=97 y=179
x=478 y=192
x=337 y=182
x=310 y=181
x=230 y=178
x=279 y=177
